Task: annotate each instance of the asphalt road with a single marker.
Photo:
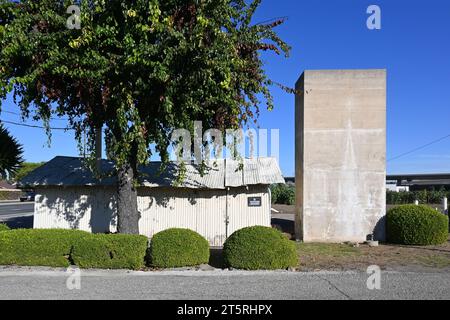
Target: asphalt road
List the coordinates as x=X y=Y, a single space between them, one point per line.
x=17 y=214
x=42 y=283
x=15 y=209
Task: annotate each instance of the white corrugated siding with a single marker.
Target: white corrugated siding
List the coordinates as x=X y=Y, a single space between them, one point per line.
x=73 y=208
x=240 y=215
x=93 y=209
x=201 y=210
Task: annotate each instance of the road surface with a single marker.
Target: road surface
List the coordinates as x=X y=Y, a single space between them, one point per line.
x=17 y=214
x=44 y=283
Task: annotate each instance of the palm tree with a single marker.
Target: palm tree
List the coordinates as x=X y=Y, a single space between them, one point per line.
x=10 y=154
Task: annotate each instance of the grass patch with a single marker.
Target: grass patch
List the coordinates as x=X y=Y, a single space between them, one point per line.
x=328 y=249
x=330 y=256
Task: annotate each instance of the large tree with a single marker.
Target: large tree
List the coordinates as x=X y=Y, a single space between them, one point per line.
x=139 y=69
x=10 y=154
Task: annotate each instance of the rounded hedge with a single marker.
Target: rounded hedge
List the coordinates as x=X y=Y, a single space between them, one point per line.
x=4 y=227
x=110 y=251
x=256 y=248
x=175 y=247
x=416 y=225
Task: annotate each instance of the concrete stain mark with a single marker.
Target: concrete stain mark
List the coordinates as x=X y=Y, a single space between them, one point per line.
x=348 y=218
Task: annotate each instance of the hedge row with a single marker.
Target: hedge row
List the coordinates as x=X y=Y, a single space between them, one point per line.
x=423 y=196
x=60 y=248
x=248 y=248
x=110 y=251
x=285 y=194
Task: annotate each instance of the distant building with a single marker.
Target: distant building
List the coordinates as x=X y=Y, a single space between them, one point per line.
x=391 y=185
x=410 y=182
x=5 y=185
x=415 y=182
x=215 y=205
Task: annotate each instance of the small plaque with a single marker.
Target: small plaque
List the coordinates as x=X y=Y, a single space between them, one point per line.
x=254 y=201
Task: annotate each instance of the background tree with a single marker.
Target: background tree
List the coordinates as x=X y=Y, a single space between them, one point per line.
x=10 y=154
x=25 y=169
x=139 y=69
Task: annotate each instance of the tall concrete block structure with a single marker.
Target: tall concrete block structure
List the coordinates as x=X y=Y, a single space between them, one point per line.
x=341 y=155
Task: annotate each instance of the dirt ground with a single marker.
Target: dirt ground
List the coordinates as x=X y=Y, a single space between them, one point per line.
x=319 y=256
x=315 y=256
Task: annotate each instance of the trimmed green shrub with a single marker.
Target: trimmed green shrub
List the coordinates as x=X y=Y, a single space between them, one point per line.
x=173 y=248
x=255 y=248
x=416 y=225
x=282 y=194
x=110 y=251
x=4 y=227
x=38 y=247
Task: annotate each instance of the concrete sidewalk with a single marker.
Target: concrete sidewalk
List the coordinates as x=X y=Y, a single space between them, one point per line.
x=45 y=283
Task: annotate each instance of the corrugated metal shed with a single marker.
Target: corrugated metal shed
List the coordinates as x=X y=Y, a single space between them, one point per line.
x=220 y=174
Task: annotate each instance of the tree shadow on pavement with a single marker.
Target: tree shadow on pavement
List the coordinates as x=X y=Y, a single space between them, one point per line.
x=20 y=222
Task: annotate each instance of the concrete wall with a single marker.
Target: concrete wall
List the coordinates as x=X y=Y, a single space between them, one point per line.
x=94 y=209
x=341 y=155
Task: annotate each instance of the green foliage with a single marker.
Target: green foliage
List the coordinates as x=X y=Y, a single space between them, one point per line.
x=138 y=68
x=34 y=247
x=110 y=251
x=423 y=196
x=10 y=151
x=282 y=194
x=173 y=248
x=255 y=248
x=402 y=197
x=25 y=169
x=60 y=248
x=4 y=227
x=416 y=225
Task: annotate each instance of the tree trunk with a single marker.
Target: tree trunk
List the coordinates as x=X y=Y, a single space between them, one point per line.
x=127 y=213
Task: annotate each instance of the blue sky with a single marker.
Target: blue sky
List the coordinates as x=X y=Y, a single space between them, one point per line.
x=413 y=45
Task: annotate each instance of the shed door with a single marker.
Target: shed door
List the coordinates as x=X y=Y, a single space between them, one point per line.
x=248 y=208
x=203 y=211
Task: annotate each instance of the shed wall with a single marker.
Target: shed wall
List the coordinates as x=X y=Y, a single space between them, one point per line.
x=94 y=209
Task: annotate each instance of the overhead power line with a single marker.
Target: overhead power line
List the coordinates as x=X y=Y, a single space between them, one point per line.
x=31 y=125
x=18 y=114
x=420 y=148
